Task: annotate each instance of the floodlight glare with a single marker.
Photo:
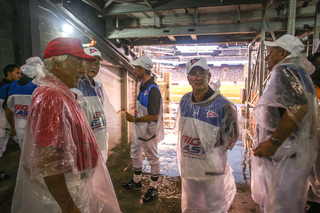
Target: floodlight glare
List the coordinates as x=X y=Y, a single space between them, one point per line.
x=200 y=49
x=67 y=28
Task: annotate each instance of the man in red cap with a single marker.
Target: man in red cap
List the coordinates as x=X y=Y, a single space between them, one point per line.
x=61 y=166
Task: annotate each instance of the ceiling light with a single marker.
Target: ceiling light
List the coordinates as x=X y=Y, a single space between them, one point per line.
x=199 y=49
x=67 y=28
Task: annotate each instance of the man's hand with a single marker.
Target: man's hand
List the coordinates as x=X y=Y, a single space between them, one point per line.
x=129 y=117
x=265 y=149
x=12 y=132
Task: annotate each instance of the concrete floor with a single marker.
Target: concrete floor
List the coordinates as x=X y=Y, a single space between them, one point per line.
x=120 y=168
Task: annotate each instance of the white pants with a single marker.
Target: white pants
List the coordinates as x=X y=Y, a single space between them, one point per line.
x=215 y=195
x=150 y=148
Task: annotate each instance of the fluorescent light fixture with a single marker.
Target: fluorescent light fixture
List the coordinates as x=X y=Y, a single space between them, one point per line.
x=214 y=63
x=199 y=49
x=67 y=28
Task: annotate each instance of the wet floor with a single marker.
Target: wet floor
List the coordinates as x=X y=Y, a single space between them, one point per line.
x=120 y=168
x=169 y=199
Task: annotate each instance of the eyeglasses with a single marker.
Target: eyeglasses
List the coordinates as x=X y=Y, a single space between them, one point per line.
x=201 y=73
x=90 y=64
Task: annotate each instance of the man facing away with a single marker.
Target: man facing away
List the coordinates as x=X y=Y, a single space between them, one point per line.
x=286 y=132
x=61 y=168
x=12 y=73
x=207 y=127
x=147 y=128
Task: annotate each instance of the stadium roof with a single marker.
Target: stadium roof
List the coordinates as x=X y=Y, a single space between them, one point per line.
x=170 y=22
x=194 y=24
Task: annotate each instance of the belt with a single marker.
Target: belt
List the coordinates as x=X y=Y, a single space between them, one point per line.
x=147 y=139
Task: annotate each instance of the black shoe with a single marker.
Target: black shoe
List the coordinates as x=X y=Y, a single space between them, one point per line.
x=150 y=195
x=132 y=185
x=4 y=175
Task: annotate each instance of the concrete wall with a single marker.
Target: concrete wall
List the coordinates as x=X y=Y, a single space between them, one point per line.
x=9 y=46
x=27 y=26
x=50 y=27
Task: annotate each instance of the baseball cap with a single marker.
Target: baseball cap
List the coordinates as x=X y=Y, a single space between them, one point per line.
x=143 y=61
x=197 y=62
x=92 y=51
x=66 y=46
x=287 y=42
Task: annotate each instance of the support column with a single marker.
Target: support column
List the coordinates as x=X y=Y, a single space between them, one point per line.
x=124 y=96
x=28 y=28
x=248 y=89
x=292 y=17
x=316 y=29
x=262 y=39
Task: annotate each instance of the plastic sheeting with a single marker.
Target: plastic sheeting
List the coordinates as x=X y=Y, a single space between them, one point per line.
x=59 y=140
x=90 y=103
x=110 y=113
x=314 y=179
x=20 y=96
x=32 y=67
x=206 y=130
x=279 y=182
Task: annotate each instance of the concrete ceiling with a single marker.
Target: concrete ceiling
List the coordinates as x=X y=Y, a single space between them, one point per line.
x=227 y=23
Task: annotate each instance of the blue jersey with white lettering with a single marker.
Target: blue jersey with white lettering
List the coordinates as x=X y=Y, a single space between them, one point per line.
x=211 y=114
x=16 y=89
x=86 y=90
x=143 y=97
x=202 y=153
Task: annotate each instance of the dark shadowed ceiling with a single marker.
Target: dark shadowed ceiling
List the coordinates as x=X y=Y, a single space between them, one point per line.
x=170 y=22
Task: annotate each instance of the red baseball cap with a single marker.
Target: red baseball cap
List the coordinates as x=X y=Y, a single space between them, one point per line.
x=66 y=46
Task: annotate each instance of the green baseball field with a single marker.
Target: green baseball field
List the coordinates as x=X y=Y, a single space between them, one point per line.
x=231 y=91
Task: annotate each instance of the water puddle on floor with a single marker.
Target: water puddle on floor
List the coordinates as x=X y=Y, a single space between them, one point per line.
x=169 y=184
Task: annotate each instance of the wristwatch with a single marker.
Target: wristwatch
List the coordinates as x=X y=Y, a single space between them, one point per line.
x=276 y=141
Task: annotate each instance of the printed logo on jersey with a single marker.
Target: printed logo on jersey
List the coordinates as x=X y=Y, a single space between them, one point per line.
x=191 y=147
x=99 y=120
x=211 y=114
x=146 y=92
x=21 y=110
x=136 y=113
x=194 y=61
x=93 y=50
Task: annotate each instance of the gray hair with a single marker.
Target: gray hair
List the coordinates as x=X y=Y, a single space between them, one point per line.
x=60 y=59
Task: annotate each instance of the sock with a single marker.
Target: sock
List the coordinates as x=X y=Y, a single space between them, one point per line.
x=154 y=184
x=137 y=178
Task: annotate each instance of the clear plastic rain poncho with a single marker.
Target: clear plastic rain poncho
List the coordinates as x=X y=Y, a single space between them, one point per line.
x=59 y=140
x=206 y=130
x=93 y=108
x=279 y=183
x=314 y=179
x=20 y=96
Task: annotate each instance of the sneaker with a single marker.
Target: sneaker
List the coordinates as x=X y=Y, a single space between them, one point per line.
x=151 y=194
x=132 y=185
x=4 y=175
